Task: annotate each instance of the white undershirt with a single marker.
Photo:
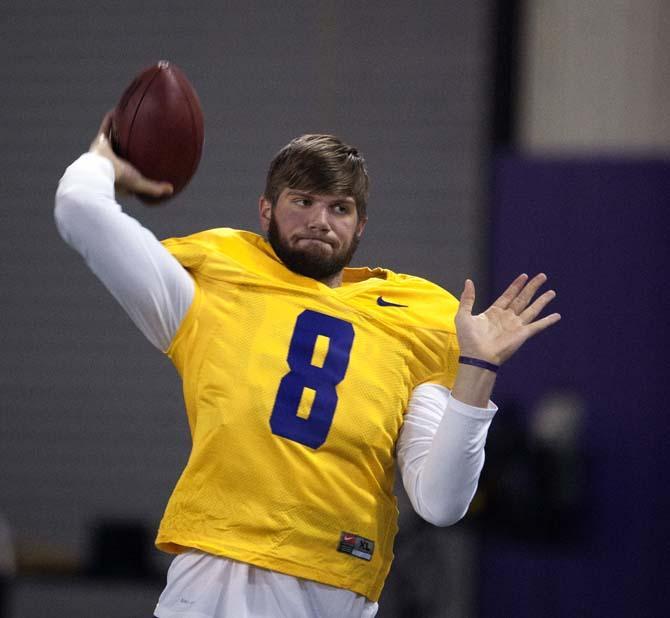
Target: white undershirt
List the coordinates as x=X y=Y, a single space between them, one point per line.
x=440 y=448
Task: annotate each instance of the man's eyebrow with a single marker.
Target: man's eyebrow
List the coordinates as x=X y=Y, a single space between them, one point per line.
x=336 y=198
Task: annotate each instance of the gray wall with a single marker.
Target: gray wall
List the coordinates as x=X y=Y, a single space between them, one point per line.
x=91 y=416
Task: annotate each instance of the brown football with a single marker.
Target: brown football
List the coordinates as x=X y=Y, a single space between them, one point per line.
x=158 y=126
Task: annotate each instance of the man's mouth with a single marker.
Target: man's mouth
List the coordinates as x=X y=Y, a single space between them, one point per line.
x=313 y=239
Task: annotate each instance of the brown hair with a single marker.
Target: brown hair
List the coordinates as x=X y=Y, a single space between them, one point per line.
x=319 y=164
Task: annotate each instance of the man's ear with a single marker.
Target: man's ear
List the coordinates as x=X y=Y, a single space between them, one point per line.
x=360 y=226
x=264 y=212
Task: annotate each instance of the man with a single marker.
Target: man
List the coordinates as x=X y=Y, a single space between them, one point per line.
x=303 y=380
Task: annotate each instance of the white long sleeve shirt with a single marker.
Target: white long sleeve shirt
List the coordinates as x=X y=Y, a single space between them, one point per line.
x=440 y=448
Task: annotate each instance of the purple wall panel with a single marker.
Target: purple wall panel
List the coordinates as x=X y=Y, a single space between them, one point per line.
x=600 y=229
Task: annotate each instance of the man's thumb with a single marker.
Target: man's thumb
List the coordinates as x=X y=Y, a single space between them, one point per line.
x=468 y=296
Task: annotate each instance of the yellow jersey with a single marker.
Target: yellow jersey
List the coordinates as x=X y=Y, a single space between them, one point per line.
x=295 y=394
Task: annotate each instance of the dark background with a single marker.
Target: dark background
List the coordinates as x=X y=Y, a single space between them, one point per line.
x=571 y=517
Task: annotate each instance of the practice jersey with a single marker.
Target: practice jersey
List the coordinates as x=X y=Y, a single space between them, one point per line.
x=295 y=393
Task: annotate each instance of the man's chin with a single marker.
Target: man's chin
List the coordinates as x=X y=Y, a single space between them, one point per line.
x=314 y=264
x=309 y=257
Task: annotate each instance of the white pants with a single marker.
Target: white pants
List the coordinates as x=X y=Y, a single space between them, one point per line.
x=201 y=585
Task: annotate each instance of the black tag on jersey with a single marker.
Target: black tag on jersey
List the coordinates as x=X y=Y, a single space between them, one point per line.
x=356 y=546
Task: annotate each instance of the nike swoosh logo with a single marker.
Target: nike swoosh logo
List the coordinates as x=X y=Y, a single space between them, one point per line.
x=385 y=303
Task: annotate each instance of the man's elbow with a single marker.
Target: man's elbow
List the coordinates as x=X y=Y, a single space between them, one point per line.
x=444 y=517
x=446 y=506
x=68 y=208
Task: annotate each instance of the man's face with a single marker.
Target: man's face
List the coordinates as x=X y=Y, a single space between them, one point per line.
x=313 y=235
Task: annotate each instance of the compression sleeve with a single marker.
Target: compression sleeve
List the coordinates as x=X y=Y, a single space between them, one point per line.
x=440 y=453
x=148 y=282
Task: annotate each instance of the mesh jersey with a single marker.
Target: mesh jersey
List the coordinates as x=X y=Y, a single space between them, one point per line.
x=295 y=394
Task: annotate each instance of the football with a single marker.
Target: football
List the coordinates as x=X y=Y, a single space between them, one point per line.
x=158 y=126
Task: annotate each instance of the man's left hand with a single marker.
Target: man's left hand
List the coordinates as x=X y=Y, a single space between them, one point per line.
x=502 y=329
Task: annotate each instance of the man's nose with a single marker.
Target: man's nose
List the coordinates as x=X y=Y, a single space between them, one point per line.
x=319 y=217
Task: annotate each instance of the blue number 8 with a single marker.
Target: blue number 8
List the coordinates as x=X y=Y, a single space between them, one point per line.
x=284 y=420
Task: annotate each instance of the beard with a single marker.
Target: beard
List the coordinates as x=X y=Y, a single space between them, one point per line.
x=309 y=263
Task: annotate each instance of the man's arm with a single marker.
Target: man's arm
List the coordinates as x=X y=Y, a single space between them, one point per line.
x=441 y=444
x=146 y=280
x=441 y=452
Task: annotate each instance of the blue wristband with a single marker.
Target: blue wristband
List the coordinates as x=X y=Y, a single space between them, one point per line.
x=475 y=362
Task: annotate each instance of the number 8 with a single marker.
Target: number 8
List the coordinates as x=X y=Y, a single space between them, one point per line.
x=284 y=420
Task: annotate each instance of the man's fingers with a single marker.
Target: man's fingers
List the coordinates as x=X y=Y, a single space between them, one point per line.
x=106 y=124
x=530 y=313
x=527 y=292
x=468 y=296
x=511 y=292
x=152 y=188
x=536 y=327
x=127 y=178
x=158 y=189
x=130 y=180
x=100 y=143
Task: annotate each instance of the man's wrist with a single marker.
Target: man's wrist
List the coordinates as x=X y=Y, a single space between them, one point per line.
x=473 y=385
x=478 y=362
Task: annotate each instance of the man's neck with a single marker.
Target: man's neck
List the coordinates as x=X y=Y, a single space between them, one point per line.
x=334 y=281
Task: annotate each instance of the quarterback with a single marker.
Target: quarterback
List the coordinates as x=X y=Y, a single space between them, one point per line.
x=306 y=383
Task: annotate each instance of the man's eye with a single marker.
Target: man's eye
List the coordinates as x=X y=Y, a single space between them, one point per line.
x=302 y=201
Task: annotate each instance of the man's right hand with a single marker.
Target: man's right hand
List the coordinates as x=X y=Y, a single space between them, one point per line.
x=126 y=177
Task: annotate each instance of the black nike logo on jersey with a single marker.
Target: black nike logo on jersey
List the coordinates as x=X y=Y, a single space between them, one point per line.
x=385 y=303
